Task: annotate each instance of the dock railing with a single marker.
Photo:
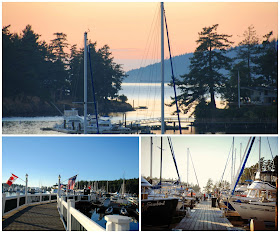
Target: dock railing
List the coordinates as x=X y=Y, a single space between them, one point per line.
x=12 y=203
x=74 y=220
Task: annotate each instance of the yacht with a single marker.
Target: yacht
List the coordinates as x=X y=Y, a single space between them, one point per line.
x=259 y=203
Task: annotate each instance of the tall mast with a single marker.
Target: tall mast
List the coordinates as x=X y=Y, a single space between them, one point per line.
x=187 y=167
x=85 y=84
x=151 y=164
x=162 y=69
x=232 y=175
x=160 y=161
x=260 y=156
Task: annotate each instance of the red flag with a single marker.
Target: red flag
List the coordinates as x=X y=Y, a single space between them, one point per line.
x=89 y=187
x=12 y=179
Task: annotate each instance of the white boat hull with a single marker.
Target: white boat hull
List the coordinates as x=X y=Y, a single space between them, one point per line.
x=255 y=210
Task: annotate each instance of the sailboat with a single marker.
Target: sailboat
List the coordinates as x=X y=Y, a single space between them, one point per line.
x=156 y=210
x=260 y=202
x=73 y=123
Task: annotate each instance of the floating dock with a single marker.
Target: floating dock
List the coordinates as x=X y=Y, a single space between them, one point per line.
x=41 y=217
x=205 y=218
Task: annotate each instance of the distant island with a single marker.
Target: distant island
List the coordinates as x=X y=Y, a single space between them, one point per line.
x=151 y=73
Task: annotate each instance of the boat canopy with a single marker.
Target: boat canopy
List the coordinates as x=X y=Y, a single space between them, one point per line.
x=260 y=185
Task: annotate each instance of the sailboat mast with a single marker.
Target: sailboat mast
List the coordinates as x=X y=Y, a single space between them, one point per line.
x=151 y=164
x=162 y=69
x=232 y=175
x=260 y=156
x=187 y=167
x=85 y=83
x=160 y=161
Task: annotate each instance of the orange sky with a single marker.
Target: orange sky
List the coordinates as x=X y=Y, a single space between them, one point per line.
x=125 y=26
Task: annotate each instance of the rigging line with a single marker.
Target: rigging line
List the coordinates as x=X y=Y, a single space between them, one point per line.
x=173 y=78
x=193 y=168
x=150 y=74
x=173 y=156
x=93 y=92
x=144 y=58
x=154 y=70
x=270 y=150
x=226 y=163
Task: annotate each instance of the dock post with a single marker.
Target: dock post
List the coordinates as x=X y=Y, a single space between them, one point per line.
x=3 y=203
x=117 y=223
x=18 y=200
x=40 y=197
x=70 y=204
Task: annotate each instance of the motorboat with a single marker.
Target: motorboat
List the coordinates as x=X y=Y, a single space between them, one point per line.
x=73 y=123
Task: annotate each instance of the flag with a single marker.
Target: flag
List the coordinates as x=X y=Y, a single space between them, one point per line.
x=89 y=187
x=71 y=182
x=12 y=179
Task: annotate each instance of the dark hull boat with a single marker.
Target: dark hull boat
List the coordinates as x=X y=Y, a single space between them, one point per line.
x=158 y=211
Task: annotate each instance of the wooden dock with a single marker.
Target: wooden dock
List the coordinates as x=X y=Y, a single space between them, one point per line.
x=41 y=217
x=205 y=218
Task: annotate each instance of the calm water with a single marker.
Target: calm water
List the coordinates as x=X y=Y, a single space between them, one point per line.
x=138 y=94
x=99 y=219
x=141 y=94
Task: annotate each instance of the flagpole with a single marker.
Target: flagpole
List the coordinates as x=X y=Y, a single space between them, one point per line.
x=18 y=177
x=59 y=186
x=26 y=187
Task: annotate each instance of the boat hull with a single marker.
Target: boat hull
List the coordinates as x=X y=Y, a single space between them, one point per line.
x=256 y=211
x=158 y=212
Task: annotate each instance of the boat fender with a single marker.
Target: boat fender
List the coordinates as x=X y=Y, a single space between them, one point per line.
x=257 y=225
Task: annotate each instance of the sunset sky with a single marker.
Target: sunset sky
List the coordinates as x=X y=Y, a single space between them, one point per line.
x=126 y=26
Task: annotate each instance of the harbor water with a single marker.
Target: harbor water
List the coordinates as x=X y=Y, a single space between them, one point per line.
x=144 y=97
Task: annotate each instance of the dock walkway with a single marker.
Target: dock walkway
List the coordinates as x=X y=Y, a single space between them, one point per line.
x=205 y=217
x=42 y=217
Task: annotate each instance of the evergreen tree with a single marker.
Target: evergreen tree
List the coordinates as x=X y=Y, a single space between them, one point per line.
x=58 y=84
x=209 y=186
x=205 y=77
x=267 y=62
x=107 y=75
x=247 y=50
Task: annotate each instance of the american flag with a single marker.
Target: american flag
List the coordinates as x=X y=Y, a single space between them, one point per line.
x=71 y=182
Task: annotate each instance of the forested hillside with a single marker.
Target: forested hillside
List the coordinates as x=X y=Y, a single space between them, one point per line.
x=37 y=75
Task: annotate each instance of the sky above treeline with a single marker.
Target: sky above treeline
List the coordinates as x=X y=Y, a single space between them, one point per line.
x=127 y=27
x=209 y=155
x=92 y=158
